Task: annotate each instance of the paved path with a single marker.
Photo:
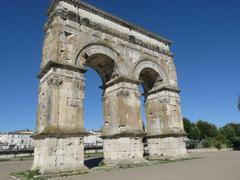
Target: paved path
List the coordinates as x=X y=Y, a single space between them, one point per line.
x=12 y=166
x=212 y=166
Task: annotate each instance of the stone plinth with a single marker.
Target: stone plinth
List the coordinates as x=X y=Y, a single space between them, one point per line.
x=123 y=150
x=167 y=148
x=54 y=155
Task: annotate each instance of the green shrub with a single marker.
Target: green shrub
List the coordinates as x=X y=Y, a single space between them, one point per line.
x=236 y=143
x=208 y=143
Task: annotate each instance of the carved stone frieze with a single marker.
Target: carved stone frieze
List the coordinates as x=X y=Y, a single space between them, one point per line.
x=178 y=102
x=74 y=102
x=137 y=94
x=164 y=100
x=70 y=15
x=123 y=93
x=54 y=82
x=81 y=86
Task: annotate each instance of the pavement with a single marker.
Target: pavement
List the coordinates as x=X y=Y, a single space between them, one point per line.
x=210 y=166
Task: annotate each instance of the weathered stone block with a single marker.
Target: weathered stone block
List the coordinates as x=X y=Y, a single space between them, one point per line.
x=59 y=155
x=167 y=148
x=123 y=150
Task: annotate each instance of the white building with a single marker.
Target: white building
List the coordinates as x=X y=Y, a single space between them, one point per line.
x=17 y=140
x=3 y=146
x=93 y=139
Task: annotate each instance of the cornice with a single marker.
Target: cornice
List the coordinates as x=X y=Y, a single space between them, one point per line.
x=50 y=64
x=120 y=79
x=117 y=20
x=72 y=16
x=164 y=88
x=59 y=135
x=139 y=134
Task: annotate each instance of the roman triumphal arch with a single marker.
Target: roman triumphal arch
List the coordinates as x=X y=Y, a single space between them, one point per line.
x=77 y=36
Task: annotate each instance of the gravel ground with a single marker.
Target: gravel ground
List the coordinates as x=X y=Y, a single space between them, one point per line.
x=211 y=166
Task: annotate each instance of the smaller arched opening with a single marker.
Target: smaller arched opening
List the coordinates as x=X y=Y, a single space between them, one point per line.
x=151 y=77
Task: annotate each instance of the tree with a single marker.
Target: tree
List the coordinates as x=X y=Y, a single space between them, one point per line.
x=236 y=143
x=238 y=103
x=236 y=128
x=190 y=128
x=206 y=129
x=220 y=141
x=195 y=133
x=187 y=125
x=228 y=132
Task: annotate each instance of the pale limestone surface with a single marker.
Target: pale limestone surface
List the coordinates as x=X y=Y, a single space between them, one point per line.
x=123 y=150
x=57 y=155
x=78 y=36
x=167 y=148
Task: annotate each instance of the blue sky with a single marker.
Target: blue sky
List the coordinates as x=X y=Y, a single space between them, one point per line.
x=206 y=37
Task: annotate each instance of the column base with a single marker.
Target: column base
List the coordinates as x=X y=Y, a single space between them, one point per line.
x=123 y=150
x=54 y=155
x=167 y=148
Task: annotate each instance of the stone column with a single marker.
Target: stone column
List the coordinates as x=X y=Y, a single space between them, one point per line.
x=59 y=136
x=123 y=128
x=165 y=132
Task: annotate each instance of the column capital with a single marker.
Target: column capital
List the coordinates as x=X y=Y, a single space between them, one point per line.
x=120 y=79
x=167 y=133
x=139 y=133
x=54 y=64
x=60 y=134
x=164 y=88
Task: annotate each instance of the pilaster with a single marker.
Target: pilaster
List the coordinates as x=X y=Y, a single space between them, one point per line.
x=123 y=128
x=60 y=130
x=165 y=132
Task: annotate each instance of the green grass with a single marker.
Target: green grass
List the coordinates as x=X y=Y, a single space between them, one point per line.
x=28 y=175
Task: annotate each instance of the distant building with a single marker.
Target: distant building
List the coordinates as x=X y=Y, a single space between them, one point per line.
x=3 y=146
x=17 y=140
x=93 y=139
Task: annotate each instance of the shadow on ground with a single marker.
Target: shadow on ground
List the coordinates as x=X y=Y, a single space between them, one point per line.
x=94 y=162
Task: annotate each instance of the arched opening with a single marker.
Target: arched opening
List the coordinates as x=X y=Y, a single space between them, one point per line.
x=100 y=62
x=99 y=65
x=100 y=69
x=93 y=116
x=152 y=77
x=149 y=79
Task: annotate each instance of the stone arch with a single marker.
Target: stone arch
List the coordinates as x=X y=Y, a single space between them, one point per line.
x=110 y=51
x=103 y=59
x=149 y=68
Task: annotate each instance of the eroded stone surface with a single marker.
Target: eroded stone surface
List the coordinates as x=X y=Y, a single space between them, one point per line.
x=59 y=155
x=123 y=150
x=167 y=148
